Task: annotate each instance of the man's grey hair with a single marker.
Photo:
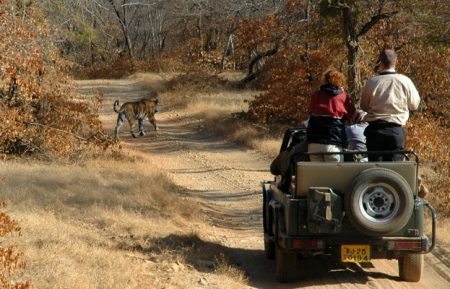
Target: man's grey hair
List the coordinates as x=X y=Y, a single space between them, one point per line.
x=388 y=57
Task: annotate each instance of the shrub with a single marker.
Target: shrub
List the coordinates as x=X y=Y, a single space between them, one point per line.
x=10 y=258
x=39 y=110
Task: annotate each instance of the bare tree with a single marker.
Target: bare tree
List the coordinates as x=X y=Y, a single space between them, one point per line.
x=353 y=29
x=92 y=30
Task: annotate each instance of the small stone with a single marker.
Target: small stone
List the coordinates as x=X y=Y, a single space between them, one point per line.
x=203 y=281
x=180 y=265
x=175 y=267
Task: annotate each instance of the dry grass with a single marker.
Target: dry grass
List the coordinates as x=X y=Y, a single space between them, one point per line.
x=153 y=81
x=245 y=133
x=133 y=186
x=195 y=81
x=219 y=111
x=216 y=101
x=82 y=224
x=225 y=267
x=178 y=251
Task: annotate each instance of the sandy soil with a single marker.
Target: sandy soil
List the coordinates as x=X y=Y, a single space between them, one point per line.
x=225 y=178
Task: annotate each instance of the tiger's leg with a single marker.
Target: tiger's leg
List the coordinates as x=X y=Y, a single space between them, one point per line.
x=120 y=120
x=132 y=122
x=141 y=126
x=153 y=121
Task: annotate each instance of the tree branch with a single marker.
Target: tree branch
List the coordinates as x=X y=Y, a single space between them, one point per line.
x=375 y=19
x=251 y=71
x=138 y=4
x=57 y=130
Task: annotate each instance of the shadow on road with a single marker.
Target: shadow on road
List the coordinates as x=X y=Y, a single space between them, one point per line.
x=205 y=256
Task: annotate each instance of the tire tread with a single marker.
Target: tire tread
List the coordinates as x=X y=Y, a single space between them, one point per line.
x=411 y=267
x=269 y=249
x=286 y=265
x=366 y=226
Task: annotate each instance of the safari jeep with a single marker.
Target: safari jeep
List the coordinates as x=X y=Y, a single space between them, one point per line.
x=352 y=211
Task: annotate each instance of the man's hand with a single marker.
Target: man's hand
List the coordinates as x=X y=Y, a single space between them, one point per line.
x=359 y=115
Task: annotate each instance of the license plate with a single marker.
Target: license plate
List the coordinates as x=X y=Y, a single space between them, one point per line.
x=355 y=253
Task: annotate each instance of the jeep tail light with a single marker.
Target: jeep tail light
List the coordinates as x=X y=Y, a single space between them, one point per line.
x=405 y=245
x=307 y=244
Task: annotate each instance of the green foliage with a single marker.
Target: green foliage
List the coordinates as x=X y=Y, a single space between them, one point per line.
x=84 y=35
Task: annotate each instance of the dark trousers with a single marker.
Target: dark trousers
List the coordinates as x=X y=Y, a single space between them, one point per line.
x=385 y=137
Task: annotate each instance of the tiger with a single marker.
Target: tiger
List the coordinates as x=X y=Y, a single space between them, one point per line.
x=136 y=111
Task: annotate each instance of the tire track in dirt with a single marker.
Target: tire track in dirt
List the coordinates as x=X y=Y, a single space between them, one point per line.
x=225 y=178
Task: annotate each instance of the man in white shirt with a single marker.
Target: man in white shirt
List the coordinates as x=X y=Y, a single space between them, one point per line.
x=388 y=98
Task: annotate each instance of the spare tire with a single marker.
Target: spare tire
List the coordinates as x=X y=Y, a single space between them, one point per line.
x=380 y=202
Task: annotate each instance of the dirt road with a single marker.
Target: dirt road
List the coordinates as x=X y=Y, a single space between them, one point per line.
x=225 y=178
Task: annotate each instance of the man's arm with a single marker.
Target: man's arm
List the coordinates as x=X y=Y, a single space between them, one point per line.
x=413 y=97
x=365 y=97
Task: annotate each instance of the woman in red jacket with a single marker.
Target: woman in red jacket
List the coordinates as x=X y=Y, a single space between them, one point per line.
x=330 y=107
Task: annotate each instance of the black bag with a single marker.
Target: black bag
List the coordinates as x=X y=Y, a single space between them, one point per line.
x=292 y=150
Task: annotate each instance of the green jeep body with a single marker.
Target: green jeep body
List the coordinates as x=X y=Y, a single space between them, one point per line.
x=332 y=204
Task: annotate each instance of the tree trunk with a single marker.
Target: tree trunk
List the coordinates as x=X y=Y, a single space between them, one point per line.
x=124 y=28
x=255 y=64
x=349 y=13
x=352 y=42
x=229 y=50
x=354 y=74
x=129 y=44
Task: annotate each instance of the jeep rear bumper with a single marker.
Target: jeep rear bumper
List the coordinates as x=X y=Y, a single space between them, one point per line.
x=381 y=248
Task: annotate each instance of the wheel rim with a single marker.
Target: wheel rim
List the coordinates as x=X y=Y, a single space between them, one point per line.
x=379 y=203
